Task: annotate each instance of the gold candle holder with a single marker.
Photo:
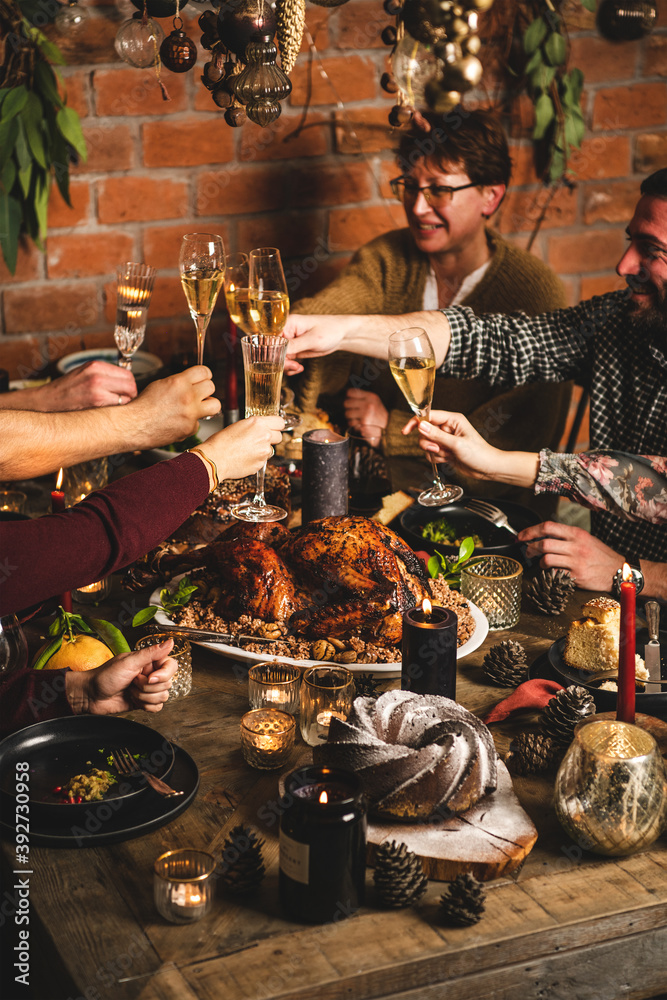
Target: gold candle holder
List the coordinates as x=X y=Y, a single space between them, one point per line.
x=274 y=685
x=12 y=500
x=182 y=885
x=493 y=584
x=267 y=738
x=325 y=692
x=93 y=593
x=182 y=653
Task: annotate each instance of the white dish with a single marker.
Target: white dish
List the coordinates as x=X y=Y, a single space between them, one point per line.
x=205 y=430
x=143 y=363
x=386 y=669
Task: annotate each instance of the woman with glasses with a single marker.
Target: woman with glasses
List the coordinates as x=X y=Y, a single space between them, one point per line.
x=452 y=180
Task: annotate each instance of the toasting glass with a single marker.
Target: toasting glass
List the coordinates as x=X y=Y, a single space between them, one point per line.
x=237 y=291
x=202 y=266
x=134 y=287
x=13 y=645
x=412 y=363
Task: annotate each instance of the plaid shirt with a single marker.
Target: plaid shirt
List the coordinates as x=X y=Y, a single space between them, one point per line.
x=594 y=343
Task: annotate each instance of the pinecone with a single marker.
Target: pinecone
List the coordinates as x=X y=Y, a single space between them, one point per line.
x=549 y=591
x=366 y=686
x=291 y=17
x=531 y=753
x=399 y=876
x=505 y=664
x=564 y=711
x=463 y=904
x=242 y=867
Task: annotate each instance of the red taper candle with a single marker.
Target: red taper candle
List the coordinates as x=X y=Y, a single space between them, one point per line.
x=625 y=703
x=57 y=507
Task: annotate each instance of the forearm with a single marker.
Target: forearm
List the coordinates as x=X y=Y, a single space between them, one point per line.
x=516 y=468
x=655 y=579
x=368 y=335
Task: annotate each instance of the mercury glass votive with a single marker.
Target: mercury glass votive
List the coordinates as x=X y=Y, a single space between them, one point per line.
x=493 y=584
x=326 y=692
x=12 y=500
x=182 y=885
x=274 y=685
x=182 y=653
x=267 y=738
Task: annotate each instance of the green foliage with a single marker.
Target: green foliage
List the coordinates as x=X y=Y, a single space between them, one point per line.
x=170 y=601
x=450 y=569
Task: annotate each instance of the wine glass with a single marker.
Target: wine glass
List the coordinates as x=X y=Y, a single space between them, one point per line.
x=263 y=363
x=13 y=645
x=237 y=292
x=412 y=363
x=202 y=266
x=134 y=286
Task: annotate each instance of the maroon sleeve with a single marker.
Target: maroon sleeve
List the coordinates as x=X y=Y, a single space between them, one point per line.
x=45 y=556
x=29 y=696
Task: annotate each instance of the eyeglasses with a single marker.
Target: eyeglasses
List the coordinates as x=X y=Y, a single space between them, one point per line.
x=405 y=189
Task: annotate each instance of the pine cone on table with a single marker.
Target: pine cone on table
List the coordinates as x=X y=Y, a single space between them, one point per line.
x=531 y=753
x=399 y=876
x=549 y=591
x=365 y=685
x=242 y=863
x=505 y=664
x=463 y=904
x=564 y=711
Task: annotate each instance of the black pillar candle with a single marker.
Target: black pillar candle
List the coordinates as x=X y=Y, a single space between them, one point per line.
x=324 y=480
x=322 y=844
x=429 y=652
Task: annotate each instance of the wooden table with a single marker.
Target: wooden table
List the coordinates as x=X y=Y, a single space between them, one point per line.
x=570 y=925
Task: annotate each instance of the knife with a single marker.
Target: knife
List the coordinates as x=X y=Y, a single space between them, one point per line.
x=652 y=647
x=204 y=635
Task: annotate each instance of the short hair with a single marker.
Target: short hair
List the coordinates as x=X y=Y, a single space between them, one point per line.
x=656 y=184
x=474 y=140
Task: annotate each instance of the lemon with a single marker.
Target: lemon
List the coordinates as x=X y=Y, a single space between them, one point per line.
x=82 y=652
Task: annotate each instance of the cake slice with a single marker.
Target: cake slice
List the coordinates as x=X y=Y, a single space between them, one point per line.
x=592 y=640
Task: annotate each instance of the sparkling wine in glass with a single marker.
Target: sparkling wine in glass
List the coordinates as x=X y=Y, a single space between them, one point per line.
x=412 y=363
x=263 y=363
x=202 y=266
x=134 y=286
x=237 y=292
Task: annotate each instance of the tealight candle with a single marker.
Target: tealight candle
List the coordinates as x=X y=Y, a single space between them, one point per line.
x=267 y=738
x=325 y=475
x=429 y=651
x=182 y=885
x=274 y=685
x=12 y=500
x=326 y=693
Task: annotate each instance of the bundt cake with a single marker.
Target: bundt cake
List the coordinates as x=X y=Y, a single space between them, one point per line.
x=417 y=756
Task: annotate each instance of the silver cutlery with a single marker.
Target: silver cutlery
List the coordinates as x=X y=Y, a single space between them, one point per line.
x=126 y=764
x=206 y=635
x=490 y=513
x=652 y=647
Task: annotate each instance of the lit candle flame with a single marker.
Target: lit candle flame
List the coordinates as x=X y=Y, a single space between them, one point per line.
x=427 y=607
x=59 y=480
x=130 y=294
x=627 y=572
x=324 y=797
x=232 y=286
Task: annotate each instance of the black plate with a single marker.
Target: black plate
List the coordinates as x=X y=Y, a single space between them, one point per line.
x=60 y=748
x=103 y=826
x=498 y=541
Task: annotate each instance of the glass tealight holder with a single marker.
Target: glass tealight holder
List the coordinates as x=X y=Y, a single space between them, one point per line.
x=182 y=653
x=493 y=584
x=274 y=685
x=12 y=500
x=267 y=738
x=182 y=885
x=93 y=593
x=326 y=692
x=84 y=478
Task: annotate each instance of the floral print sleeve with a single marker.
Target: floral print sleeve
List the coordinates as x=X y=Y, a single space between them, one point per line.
x=633 y=486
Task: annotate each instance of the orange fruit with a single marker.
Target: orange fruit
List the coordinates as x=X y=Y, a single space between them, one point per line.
x=82 y=652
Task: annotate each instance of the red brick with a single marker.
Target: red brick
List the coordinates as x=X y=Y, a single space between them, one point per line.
x=350 y=228
x=60 y=213
x=51 y=307
x=572 y=295
x=576 y=17
x=601 y=285
x=655 y=55
x=642 y=105
x=317 y=24
x=110 y=147
x=333 y=185
x=187 y=143
x=29 y=264
x=521 y=118
x=168 y=299
x=162 y=244
x=364 y=130
x=650 y=152
x=610 y=202
x=82 y=255
x=204 y=97
x=586 y=251
x=601 y=156
x=296 y=233
x=92 y=42
x=359 y=25
x=602 y=61
x=523 y=165
x=141 y=199
x=21 y=357
x=242 y=190
x=130 y=91
x=522 y=209
x=78 y=93
x=350 y=78
x=283 y=140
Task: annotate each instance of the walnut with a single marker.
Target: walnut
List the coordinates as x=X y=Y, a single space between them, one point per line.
x=347 y=656
x=270 y=630
x=322 y=650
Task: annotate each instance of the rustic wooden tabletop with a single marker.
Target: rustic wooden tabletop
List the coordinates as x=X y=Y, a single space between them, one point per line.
x=568 y=925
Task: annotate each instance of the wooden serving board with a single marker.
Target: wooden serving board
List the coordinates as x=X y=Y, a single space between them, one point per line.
x=489 y=840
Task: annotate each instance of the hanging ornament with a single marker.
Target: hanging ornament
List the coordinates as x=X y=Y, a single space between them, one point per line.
x=241 y=20
x=160 y=8
x=262 y=84
x=208 y=22
x=177 y=52
x=329 y=3
x=626 y=20
x=235 y=114
x=413 y=65
x=138 y=41
x=70 y=17
x=291 y=18
x=224 y=94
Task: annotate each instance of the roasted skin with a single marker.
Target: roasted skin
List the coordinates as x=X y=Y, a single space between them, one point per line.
x=255 y=580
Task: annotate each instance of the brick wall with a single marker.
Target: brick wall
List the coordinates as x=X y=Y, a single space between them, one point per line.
x=315 y=188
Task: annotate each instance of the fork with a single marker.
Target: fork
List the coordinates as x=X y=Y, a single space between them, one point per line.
x=490 y=513
x=126 y=764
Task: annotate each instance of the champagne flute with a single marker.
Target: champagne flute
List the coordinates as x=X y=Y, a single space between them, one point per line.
x=202 y=266
x=412 y=363
x=237 y=292
x=263 y=363
x=134 y=287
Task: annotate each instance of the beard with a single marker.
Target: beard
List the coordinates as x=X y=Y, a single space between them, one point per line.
x=649 y=319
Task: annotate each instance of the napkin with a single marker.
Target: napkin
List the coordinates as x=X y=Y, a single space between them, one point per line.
x=530 y=695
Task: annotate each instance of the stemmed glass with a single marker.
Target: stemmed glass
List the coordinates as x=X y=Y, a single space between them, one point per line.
x=134 y=286
x=412 y=363
x=202 y=266
x=13 y=645
x=237 y=291
x=263 y=363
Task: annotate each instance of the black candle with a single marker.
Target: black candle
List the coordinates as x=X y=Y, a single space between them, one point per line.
x=324 y=469
x=429 y=652
x=322 y=844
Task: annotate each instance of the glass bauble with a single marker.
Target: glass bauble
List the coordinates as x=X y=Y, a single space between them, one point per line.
x=177 y=52
x=160 y=8
x=262 y=84
x=414 y=65
x=241 y=20
x=138 y=43
x=70 y=17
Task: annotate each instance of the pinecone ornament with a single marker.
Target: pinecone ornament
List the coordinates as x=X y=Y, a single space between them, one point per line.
x=549 y=591
x=242 y=867
x=399 y=876
x=564 y=711
x=463 y=904
x=531 y=753
x=291 y=18
x=505 y=664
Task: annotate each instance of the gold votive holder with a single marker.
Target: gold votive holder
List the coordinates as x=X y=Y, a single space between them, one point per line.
x=182 y=653
x=493 y=584
x=12 y=500
x=93 y=593
x=326 y=691
x=182 y=885
x=274 y=685
x=267 y=738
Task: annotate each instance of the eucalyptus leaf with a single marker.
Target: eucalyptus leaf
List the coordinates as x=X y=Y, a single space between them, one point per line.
x=8 y=175
x=69 y=124
x=557 y=166
x=555 y=49
x=10 y=227
x=533 y=63
x=14 y=102
x=534 y=35
x=3 y=93
x=574 y=130
x=544 y=115
x=45 y=78
x=31 y=118
x=543 y=77
x=23 y=157
x=43 y=184
x=25 y=177
x=50 y=50
x=8 y=133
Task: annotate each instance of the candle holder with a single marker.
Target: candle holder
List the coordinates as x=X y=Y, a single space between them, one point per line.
x=93 y=593
x=493 y=584
x=274 y=685
x=611 y=790
x=12 y=500
x=325 y=691
x=267 y=738
x=182 y=653
x=428 y=652
x=84 y=478
x=182 y=885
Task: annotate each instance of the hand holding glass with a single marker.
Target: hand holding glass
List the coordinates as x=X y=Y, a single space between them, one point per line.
x=202 y=266
x=134 y=286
